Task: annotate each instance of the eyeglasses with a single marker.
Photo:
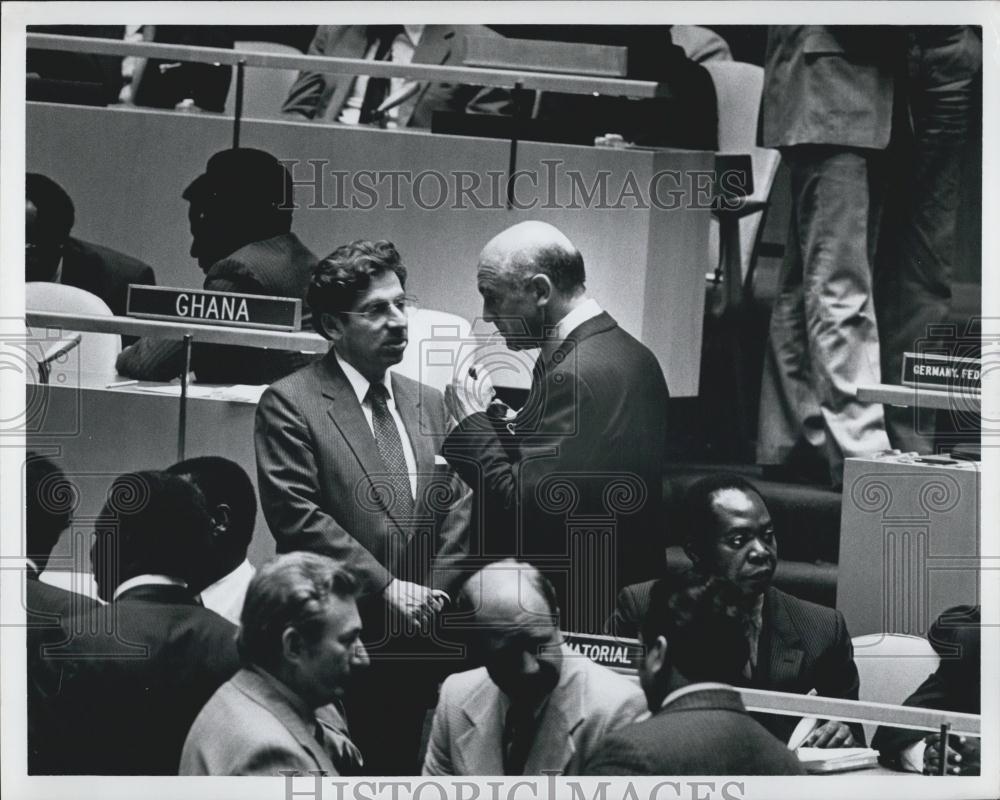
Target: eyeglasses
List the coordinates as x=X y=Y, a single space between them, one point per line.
x=383 y=309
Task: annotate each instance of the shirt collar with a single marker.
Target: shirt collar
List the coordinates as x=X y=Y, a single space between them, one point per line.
x=32 y=566
x=588 y=309
x=57 y=277
x=147 y=580
x=692 y=687
x=415 y=32
x=359 y=383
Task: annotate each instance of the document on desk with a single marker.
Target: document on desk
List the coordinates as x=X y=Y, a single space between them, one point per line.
x=237 y=393
x=826 y=760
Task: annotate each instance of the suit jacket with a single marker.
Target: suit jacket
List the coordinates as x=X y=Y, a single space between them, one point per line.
x=317 y=462
x=251 y=727
x=704 y=732
x=123 y=697
x=953 y=686
x=802 y=646
x=104 y=272
x=317 y=95
x=588 y=443
x=588 y=702
x=281 y=267
x=830 y=84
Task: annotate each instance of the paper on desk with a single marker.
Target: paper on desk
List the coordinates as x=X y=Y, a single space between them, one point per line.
x=240 y=393
x=836 y=759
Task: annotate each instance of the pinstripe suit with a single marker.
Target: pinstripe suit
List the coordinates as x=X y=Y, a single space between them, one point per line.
x=281 y=267
x=705 y=732
x=802 y=646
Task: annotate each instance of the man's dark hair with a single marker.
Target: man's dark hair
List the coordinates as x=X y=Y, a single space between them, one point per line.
x=694 y=514
x=563 y=267
x=345 y=275
x=152 y=522
x=290 y=591
x=50 y=498
x=223 y=481
x=56 y=214
x=705 y=623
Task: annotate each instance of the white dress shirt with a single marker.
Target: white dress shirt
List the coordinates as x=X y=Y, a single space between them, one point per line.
x=360 y=384
x=147 y=580
x=403 y=47
x=691 y=687
x=587 y=310
x=225 y=596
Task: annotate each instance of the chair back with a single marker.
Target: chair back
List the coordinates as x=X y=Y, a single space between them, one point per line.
x=264 y=90
x=97 y=352
x=439 y=344
x=891 y=666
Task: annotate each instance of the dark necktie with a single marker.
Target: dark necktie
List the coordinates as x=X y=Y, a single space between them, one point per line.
x=378 y=88
x=518 y=736
x=390 y=447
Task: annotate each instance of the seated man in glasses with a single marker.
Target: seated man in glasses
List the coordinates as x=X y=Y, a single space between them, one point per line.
x=346 y=459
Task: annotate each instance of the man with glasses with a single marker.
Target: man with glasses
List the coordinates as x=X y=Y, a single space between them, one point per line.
x=347 y=467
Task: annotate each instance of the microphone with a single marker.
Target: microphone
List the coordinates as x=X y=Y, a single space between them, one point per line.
x=57 y=352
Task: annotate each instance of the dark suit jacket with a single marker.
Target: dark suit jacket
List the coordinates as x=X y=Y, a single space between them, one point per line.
x=123 y=698
x=317 y=95
x=316 y=464
x=280 y=266
x=830 y=84
x=588 y=443
x=802 y=646
x=706 y=732
x=104 y=272
x=954 y=686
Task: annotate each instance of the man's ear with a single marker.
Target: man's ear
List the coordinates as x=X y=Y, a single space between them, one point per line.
x=332 y=326
x=656 y=655
x=221 y=516
x=541 y=286
x=292 y=645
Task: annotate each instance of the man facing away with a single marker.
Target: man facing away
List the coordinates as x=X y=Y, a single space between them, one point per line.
x=593 y=427
x=535 y=706
x=695 y=649
x=300 y=642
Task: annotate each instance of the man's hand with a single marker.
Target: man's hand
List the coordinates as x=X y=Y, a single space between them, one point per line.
x=832 y=733
x=962 y=754
x=469 y=393
x=412 y=601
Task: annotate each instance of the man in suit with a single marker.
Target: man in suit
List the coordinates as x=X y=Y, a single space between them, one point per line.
x=51 y=254
x=535 y=706
x=347 y=467
x=123 y=683
x=588 y=441
x=361 y=99
x=232 y=503
x=241 y=219
x=49 y=501
x=695 y=648
x=954 y=686
x=299 y=642
x=827 y=104
x=795 y=646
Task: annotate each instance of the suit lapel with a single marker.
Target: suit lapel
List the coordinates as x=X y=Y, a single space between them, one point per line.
x=553 y=747
x=479 y=746
x=434 y=48
x=780 y=644
x=408 y=406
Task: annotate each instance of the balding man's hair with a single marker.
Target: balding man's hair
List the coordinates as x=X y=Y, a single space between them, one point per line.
x=467 y=602
x=564 y=267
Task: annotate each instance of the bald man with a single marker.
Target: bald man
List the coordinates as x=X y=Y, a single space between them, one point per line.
x=587 y=446
x=534 y=706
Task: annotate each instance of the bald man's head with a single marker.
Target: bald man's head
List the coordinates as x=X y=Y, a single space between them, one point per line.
x=529 y=276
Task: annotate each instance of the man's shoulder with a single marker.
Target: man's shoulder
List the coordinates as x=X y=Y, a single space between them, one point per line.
x=241 y=714
x=123 y=266
x=458 y=686
x=805 y=610
x=304 y=382
x=605 y=691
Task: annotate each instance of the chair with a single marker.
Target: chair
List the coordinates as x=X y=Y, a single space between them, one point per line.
x=97 y=352
x=264 y=89
x=891 y=666
x=439 y=345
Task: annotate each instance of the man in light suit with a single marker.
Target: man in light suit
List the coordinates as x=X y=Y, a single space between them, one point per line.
x=535 y=706
x=241 y=219
x=299 y=643
x=827 y=104
x=587 y=443
x=795 y=645
x=347 y=467
x=352 y=100
x=124 y=682
x=695 y=649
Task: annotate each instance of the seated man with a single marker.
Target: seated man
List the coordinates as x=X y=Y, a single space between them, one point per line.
x=954 y=686
x=241 y=220
x=300 y=639
x=233 y=505
x=535 y=706
x=124 y=682
x=795 y=646
x=695 y=648
x=388 y=102
x=51 y=254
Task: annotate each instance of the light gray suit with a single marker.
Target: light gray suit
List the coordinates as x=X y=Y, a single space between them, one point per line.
x=589 y=702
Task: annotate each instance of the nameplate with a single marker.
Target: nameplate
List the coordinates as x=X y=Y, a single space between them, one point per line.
x=572 y=58
x=214 y=308
x=608 y=651
x=932 y=371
